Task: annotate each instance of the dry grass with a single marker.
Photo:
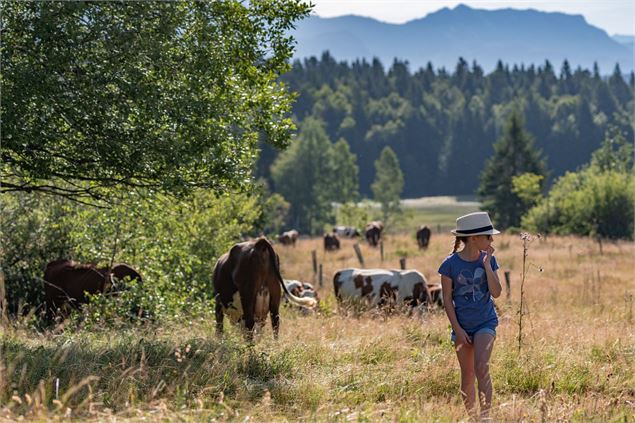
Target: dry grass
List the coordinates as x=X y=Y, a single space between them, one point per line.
x=577 y=361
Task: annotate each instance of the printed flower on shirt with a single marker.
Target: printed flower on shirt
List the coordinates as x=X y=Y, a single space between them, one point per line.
x=471 y=284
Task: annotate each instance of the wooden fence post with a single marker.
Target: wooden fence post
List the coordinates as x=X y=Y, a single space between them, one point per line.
x=358 y=251
x=381 y=250
x=314 y=258
x=402 y=263
x=508 y=285
x=320 y=276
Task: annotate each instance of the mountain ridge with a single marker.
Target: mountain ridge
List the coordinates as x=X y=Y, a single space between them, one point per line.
x=486 y=36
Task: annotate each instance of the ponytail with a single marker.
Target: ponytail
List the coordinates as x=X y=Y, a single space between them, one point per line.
x=457 y=243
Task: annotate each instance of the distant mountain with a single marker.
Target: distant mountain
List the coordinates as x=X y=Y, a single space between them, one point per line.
x=513 y=36
x=627 y=40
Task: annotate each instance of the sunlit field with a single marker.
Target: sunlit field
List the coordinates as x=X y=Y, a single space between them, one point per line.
x=576 y=361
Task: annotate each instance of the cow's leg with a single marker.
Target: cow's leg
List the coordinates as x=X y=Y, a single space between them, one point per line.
x=248 y=304
x=219 y=315
x=274 y=311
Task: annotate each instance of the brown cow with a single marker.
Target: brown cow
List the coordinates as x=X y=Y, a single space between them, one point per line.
x=373 y=232
x=247 y=285
x=288 y=237
x=331 y=242
x=423 y=236
x=69 y=283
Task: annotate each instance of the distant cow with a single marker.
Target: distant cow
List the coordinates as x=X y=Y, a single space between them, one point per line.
x=423 y=236
x=67 y=283
x=346 y=231
x=378 y=286
x=373 y=232
x=247 y=285
x=288 y=237
x=331 y=242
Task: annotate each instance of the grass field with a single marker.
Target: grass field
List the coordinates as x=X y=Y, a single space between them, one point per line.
x=577 y=361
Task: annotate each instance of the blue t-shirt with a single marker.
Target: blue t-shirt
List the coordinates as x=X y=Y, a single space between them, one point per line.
x=470 y=294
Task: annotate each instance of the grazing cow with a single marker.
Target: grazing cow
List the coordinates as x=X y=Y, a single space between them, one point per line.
x=331 y=242
x=373 y=232
x=69 y=283
x=378 y=286
x=346 y=231
x=288 y=237
x=423 y=236
x=247 y=284
x=301 y=289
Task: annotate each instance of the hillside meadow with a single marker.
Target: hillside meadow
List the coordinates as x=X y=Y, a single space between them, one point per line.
x=576 y=361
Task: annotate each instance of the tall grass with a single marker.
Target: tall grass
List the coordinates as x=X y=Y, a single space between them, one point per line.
x=577 y=363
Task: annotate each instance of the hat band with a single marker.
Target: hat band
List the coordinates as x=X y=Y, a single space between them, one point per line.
x=473 y=231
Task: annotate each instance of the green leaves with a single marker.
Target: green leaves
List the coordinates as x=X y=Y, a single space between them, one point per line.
x=599 y=200
x=514 y=155
x=312 y=174
x=388 y=183
x=165 y=95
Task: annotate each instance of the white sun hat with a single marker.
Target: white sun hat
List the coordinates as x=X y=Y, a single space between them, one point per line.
x=477 y=223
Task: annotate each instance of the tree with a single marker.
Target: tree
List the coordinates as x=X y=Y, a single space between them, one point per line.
x=599 y=200
x=528 y=187
x=388 y=183
x=312 y=174
x=615 y=153
x=514 y=155
x=344 y=177
x=167 y=96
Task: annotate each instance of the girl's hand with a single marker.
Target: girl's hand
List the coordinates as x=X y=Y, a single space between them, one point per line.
x=462 y=337
x=488 y=255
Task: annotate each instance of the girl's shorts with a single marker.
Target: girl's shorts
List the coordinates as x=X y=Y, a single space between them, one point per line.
x=485 y=329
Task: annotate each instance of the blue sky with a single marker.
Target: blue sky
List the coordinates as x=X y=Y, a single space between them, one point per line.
x=613 y=16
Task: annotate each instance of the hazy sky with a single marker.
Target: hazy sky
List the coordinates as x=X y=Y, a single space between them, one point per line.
x=613 y=16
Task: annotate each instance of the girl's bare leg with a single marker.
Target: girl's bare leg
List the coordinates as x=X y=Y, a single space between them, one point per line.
x=465 y=354
x=483 y=345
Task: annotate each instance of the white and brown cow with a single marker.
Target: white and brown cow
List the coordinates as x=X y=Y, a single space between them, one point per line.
x=300 y=289
x=379 y=286
x=247 y=286
x=288 y=237
x=346 y=231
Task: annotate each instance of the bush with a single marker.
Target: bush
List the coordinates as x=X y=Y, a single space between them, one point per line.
x=34 y=231
x=590 y=203
x=173 y=243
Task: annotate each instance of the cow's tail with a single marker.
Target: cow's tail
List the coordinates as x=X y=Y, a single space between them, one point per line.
x=300 y=301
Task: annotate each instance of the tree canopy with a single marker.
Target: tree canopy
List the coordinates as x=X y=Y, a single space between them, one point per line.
x=312 y=174
x=165 y=96
x=442 y=122
x=598 y=200
x=388 y=183
x=514 y=155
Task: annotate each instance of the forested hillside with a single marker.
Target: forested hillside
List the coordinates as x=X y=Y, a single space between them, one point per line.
x=442 y=124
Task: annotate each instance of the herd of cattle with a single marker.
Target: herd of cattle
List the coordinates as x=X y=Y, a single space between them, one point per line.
x=372 y=233
x=247 y=282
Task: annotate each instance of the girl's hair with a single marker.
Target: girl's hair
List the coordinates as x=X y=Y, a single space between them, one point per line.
x=458 y=241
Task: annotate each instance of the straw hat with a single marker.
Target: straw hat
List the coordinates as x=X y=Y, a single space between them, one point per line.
x=472 y=224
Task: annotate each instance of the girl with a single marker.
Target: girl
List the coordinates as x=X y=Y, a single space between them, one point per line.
x=469 y=282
